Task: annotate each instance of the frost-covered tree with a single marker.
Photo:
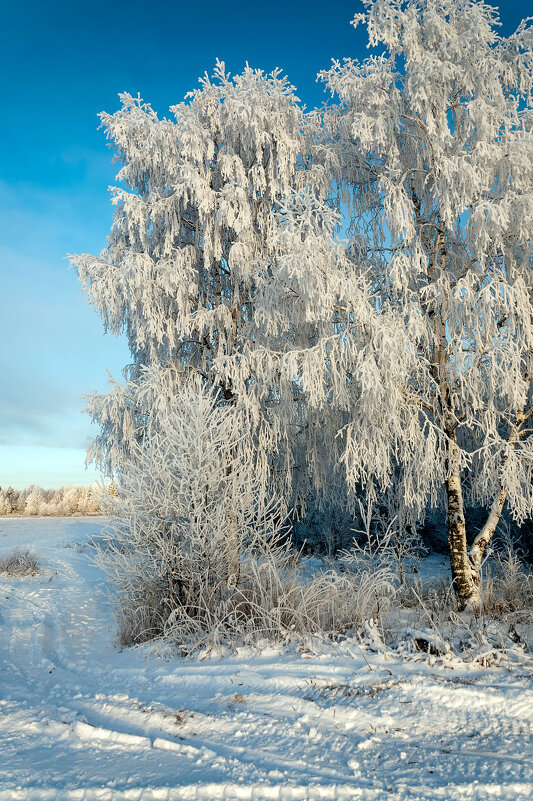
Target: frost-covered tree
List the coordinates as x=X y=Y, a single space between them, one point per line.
x=34 y=501
x=405 y=356
x=65 y=501
x=4 y=507
x=313 y=287
x=187 y=518
x=195 y=235
x=432 y=144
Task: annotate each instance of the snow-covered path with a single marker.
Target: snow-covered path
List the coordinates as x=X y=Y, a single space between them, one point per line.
x=81 y=720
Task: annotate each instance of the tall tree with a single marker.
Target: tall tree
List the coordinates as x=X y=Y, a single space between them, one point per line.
x=431 y=146
x=195 y=233
x=433 y=139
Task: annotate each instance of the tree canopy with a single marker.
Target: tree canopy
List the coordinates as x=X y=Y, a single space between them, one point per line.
x=356 y=279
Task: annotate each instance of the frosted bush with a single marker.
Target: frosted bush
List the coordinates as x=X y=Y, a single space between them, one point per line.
x=188 y=515
x=19 y=562
x=198 y=555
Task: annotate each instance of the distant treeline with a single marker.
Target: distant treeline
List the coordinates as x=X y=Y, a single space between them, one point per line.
x=63 y=502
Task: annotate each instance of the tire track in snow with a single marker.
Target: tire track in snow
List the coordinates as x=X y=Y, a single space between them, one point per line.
x=294 y=735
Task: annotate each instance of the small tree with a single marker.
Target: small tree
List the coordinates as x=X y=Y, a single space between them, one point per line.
x=34 y=501
x=11 y=500
x=188 y=520
x=4 y=508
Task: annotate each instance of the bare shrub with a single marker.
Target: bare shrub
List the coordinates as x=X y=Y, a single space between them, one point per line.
x=433 y=595
x=19 y=562
x=276 y=602
x=508 y=582
x=384 y=546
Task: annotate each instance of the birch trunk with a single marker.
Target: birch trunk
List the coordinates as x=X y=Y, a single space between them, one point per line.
x=485 y=535
x=463 y=578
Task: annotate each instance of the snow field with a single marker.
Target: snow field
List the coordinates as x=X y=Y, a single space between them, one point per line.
x=80 y=720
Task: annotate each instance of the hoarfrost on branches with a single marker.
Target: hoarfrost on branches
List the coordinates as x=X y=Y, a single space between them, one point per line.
x=433 y=146
x=197 y=232
x=423 y=322
x=399 y=359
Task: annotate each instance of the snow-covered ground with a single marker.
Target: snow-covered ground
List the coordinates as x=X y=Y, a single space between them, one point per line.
x=80 y=719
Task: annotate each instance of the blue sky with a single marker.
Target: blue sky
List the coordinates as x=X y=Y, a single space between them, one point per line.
x=60 y=64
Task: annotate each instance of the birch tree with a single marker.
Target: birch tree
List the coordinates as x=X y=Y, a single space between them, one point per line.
x=423 y=322
x=404 y=355
x=194 y=234
x=432 y=140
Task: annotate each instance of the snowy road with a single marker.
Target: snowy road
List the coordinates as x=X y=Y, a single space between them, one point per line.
x=81 y=720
